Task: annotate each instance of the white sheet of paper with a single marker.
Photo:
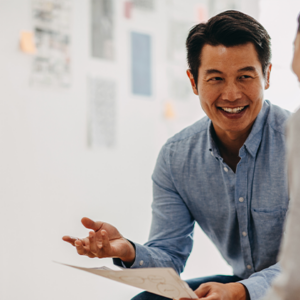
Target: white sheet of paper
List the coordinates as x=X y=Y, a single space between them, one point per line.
x=160 y=281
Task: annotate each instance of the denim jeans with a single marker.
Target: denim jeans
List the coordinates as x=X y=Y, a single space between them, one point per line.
x=193 y=283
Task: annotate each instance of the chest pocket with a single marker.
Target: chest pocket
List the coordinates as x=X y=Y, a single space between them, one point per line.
x=267 y=232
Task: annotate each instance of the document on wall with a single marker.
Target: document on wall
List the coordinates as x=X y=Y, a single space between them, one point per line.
x=102 y=117
x=160 y=281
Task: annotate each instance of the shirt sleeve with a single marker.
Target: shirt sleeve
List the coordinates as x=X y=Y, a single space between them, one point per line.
x=171 y=235
x=258 y=283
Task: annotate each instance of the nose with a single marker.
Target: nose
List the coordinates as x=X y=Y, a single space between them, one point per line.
x=231 y=91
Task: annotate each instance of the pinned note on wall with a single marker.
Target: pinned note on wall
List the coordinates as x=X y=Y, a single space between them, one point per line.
x=169 y=111
x=202 y=13
x=27 y=43
x=127 y=9
x=141 y=64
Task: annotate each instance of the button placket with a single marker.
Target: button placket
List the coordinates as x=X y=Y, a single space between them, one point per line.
x=242 y=209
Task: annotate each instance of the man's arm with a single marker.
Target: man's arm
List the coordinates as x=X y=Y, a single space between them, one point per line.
x=258 y=283
x=170 y=241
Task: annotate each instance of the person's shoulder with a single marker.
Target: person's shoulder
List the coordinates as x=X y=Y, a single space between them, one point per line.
x=278 y=117
x=193 y=131
x=294 y=121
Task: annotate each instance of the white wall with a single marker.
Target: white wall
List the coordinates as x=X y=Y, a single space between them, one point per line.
x=280 y=19
x=50 y=179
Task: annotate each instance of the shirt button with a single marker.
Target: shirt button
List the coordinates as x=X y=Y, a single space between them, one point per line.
x=249 y=267
x=225 y=169
x=141 y=262
x=244 y=233
x=241 y=199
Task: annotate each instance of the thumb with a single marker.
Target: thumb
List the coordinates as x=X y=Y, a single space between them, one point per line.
x=202 y=290
x=90 y=224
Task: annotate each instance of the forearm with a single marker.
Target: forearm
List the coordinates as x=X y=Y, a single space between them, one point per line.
x=152 y=257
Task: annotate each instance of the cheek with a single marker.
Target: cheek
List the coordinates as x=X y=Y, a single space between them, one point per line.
x=256 y=92
x=208 y=96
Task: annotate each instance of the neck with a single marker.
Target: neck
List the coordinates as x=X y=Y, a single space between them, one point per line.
x=230 y=143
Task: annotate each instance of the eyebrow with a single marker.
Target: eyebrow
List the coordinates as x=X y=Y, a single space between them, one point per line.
x=249 y=68
x=212 y=71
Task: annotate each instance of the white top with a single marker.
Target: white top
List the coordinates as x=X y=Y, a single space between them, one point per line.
x=287 y=285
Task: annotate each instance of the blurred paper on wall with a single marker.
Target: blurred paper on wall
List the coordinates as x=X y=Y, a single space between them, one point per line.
x=27 y=43
x=102 y=27
x=178 y=32
x=102 y=113
x=202 y=13
x=169 y=111
x=127 y=9
x=141 y=64
x=51 y=22
x=179 y=86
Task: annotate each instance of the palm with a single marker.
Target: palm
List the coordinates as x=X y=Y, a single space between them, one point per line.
x=104 y=240
x=112 y=244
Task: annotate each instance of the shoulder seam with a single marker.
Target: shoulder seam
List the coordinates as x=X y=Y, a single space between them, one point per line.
x=179 y=140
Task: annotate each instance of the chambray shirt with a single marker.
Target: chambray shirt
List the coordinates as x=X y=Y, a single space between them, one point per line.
x=242 y=212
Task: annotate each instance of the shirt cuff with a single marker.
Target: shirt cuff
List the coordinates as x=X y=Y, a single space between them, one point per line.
x=141 y=258
x=255 y=287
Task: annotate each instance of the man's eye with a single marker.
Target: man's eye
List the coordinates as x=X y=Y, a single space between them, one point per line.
x=245 y=76
x=215 y=79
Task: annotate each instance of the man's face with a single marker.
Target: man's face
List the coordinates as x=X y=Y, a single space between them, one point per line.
x=231 y=86
x=296 y=58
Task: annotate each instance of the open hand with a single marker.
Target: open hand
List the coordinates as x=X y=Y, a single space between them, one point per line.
x=103 y=241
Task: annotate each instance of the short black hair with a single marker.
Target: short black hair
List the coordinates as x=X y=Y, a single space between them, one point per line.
x=229 y=28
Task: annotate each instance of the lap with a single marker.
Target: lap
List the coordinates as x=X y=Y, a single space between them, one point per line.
x=193 y=283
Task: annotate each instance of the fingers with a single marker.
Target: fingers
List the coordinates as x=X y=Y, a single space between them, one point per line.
x=90 y=224
x=70 y=239
x=83 y=249
x=92 y=243
x=105 y=245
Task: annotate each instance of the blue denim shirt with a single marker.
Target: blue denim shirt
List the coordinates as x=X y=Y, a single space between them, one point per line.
x=242 y=212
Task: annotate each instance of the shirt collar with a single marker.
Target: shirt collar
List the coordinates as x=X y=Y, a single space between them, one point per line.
x=253 y=141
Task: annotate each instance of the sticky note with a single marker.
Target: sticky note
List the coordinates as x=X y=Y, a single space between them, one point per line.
x=169 y=111
x=127 y=9
x=202 y=15
x=27 y=44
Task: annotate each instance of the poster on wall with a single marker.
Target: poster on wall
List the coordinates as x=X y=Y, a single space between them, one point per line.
x=102 y=29
x=102 y=113
x=141 y=73
x=52 y=30
x=177 y=34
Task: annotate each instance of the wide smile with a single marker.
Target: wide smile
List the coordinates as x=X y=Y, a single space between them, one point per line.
x=233 y=112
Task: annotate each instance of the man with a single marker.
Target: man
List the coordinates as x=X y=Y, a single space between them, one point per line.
x=226 y=171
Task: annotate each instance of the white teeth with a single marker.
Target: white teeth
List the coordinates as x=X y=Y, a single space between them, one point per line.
x=233 y=110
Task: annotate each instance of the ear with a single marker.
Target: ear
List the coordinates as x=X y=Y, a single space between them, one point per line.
x=192 y=80
x=267 y=78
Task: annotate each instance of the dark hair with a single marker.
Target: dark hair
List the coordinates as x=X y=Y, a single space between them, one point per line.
x=229 y=28
x=299 y=23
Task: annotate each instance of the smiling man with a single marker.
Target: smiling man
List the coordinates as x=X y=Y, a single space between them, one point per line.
x=226 y=172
